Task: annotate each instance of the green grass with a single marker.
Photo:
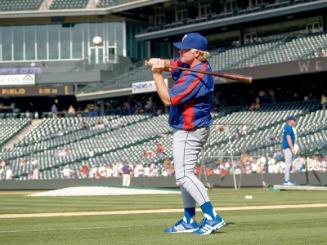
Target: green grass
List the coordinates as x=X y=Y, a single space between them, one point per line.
x=285 y=226
x=220 y=197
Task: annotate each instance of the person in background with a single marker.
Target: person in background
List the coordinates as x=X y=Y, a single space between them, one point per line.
x=323 y=101
x=126 y=172
x=84 y=171
x=288 y=145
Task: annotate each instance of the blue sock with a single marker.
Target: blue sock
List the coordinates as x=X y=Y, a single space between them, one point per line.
x=189 y=213
x=208 y=210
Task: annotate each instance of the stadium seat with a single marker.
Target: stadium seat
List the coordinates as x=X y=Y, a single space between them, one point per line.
x=68 y=4
x=18 y=5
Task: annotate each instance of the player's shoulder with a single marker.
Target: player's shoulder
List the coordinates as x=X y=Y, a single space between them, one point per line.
x=288 y=127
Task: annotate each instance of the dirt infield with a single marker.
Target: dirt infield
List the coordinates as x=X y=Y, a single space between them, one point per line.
x=14 y=193
x=153 y=211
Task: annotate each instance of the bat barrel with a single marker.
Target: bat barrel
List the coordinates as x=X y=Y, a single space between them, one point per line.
x=236 y=77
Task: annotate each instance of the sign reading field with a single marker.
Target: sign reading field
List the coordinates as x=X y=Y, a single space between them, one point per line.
x=17 y=80
x=37 y=91
x=145 y=87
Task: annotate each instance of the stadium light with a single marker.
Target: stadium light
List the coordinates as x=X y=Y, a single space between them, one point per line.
x=97 y=40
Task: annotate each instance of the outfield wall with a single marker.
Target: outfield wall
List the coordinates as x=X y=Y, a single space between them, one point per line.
x=250 y=180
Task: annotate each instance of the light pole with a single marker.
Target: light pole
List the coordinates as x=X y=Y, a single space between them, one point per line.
x=97 y=41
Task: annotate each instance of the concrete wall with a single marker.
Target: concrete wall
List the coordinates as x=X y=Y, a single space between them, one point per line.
x=251 y=180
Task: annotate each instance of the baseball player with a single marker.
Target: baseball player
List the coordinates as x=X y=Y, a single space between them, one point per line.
x=190 y=100
x=289 y=147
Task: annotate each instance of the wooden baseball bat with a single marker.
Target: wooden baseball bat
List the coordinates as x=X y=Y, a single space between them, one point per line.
x=237 y=77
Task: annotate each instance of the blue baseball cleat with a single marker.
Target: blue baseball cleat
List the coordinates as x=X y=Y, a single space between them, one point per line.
x=207 y=227
x=182 y=227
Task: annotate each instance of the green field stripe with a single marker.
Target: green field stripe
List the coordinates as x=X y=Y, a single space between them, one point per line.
x=268 y=227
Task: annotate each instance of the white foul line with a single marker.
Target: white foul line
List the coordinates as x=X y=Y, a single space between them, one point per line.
x=156 y=211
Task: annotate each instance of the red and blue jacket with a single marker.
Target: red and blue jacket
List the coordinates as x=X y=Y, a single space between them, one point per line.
x=192 y=97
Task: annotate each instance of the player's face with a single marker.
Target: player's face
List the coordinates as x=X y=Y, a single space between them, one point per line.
x=293 y=123
x=187 y=55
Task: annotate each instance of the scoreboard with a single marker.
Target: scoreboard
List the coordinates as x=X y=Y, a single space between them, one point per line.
x=36 y=91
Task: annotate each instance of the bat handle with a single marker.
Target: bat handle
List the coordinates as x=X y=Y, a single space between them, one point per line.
x=146 y=63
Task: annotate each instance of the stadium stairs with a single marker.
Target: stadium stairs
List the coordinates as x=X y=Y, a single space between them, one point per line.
x=9 y=127
x=22 y=133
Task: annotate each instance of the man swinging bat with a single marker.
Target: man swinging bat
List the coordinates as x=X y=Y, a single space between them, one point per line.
x=191 y=100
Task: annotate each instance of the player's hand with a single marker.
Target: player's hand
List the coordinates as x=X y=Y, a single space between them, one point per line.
x=296 y=149
x=157 y=65
x=293 y=151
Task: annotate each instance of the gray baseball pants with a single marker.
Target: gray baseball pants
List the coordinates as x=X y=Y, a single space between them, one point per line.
x=288 y=163
x=186 y=148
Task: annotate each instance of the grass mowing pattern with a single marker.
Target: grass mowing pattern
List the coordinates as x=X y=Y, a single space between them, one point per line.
x=286 y=226
x=220 y=197
x=293 y=226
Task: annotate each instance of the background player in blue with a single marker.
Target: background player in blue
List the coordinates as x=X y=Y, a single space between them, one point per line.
x=289 y=147
x=190 y=101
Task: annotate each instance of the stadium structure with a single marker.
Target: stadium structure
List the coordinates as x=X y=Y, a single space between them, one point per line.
x=90 y=54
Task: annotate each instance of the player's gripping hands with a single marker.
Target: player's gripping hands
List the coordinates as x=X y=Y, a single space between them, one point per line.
x=157 y=65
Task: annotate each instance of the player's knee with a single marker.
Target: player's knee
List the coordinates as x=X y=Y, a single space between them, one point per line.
x=179 y=174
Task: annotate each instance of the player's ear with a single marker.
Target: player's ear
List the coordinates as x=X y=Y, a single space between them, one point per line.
x=196 y=53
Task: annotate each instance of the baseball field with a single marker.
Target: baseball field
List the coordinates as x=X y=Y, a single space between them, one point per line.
x=270 y=217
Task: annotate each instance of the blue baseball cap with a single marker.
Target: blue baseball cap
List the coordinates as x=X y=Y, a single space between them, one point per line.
x=193 y=40
x=291 y=117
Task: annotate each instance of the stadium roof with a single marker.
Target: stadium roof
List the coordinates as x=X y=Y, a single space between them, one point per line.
x=233 y=20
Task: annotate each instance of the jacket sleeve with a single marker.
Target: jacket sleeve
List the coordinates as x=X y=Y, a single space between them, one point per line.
x=189 y=86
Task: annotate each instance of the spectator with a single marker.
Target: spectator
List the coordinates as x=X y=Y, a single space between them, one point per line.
x=85 y=125
x=28 y=114
x=91 y=153
x=148 y=105
x=237 y=134
x=298 y=165
x=139 y=170
x=147 y=170
x=103 y=171
x=324 y=53
x=84 y=171
x=34 y=162
x=324 y=164
x=153 y=171
x=272 y=96
x=278 y=155
x=271 y=164
x=54 y=110
x=99 y=125
x=160 y=150
x=257 y=104
x=22 y=162
x=272 y=137
x=71 y=110
x=35 y=173
x=115 y=169
x=109 y=171
x=93 y=172
x=149 y=154
x=68 y=173
x=64 y=152
x=168 y=168
x=9 y=173
x=244 y=130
